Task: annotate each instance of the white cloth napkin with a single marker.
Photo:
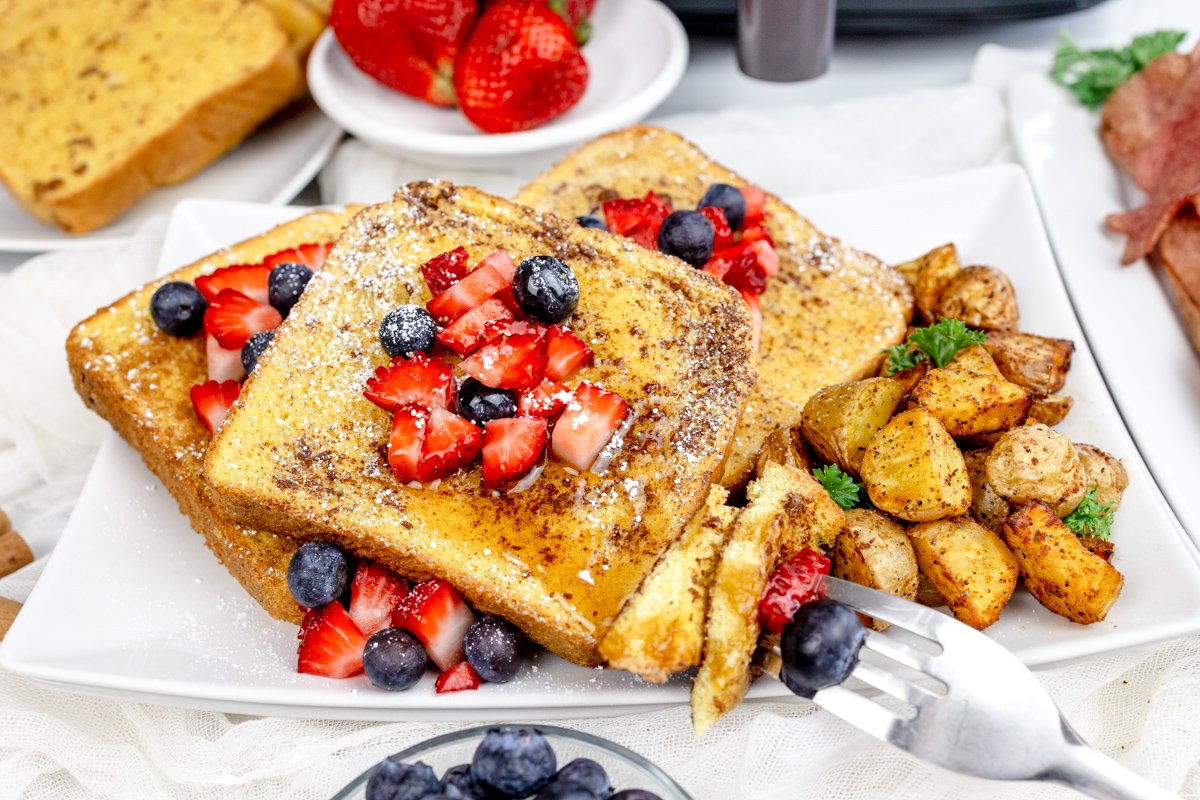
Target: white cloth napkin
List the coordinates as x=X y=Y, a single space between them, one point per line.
x=1142 y=707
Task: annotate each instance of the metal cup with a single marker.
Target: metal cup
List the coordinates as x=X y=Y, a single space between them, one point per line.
x=785 y=40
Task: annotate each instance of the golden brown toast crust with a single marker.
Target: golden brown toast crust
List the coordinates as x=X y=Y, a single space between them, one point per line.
x=826 y=316
x=139 y=378
x=301 y=449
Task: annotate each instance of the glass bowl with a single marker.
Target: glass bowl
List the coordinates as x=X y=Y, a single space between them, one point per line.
x=626 y=769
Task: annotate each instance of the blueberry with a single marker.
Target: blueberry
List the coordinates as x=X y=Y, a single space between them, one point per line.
x=545 y=288
x=317 y=574
x=407 y=330
x=459 y=782
x=394 y=659
x=481 y=404
x=515 y=763
x=587 y=772
x=492 y=649
x=687 y=235
x=178 y=308
x=635 y=794
x=820 y=646
x=566 y=790
x=394 y=780
x=286 y=283
x=729 y=199
x=254 y=347
x=591 y=221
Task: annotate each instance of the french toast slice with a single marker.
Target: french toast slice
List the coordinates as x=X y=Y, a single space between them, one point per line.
x=139 y=378
x=301 y=448
x=827 y=315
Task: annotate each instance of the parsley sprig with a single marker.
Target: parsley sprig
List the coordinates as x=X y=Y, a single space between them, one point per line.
x=938 y=343
x=1093 y=74
x=843 y=489
x=1091 y=517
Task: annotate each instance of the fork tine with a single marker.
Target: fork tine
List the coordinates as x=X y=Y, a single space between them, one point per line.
x=893 y=684
x=860 y=712
x=901 y=613
x=900 y=652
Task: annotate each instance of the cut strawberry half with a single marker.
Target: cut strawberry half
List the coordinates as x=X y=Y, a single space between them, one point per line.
x=212 y=401
x=511 y=447
x=442 y=272
x=406 y=440
x=722 y=234
x=565 y=353
x=467 y=332
x=795 y=582
x=756 y=201
x=374 y=594
x=223 y=365
x=586 y=425
x=332 y=645
x=426 y=381
x=233 y=318
x=436 y=615
x=249 y=279
x=756 y=318
x=310 y=255
x=510 y=328
x=311 y=615
x=638 y=219
x=508 y=362
x=478 y=285
x=545 y=400
x=450 y=442
x=459 y=677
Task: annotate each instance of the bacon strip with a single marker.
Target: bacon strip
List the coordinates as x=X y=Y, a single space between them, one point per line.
x=1136 y=109
x=1179 y=251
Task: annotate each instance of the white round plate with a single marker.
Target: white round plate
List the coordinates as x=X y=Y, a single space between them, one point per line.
x=271 y=166
x=636 y=56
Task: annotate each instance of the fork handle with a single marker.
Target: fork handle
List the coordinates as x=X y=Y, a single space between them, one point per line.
x=1091 y=772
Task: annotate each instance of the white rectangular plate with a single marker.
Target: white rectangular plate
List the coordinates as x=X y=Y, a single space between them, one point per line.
x=155 y=618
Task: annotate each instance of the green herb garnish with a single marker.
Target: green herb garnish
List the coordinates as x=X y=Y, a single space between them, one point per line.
x=1091 y=517
x=903 y=356
x=939 y=343
x=1093 y=74
x=843 y=489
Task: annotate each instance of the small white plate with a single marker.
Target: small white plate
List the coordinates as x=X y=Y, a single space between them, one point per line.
x=271 y=166
x=636 y=56
x=1127 y=312
x=155 y=618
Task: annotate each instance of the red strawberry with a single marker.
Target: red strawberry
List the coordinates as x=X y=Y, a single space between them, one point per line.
x=250 y=280
x=756 y=232
x=407 y=45
x=768 y=259
x=502 y=262
x=374 y=595
x=576 y=13
x=309 y=255
x=717 y=267
x=756 y=315
x=794 y=583
x=464 y=334
x=756 y=201
x=587 y=424
x=511 y=446
x=433 y=612
x=450 y=442
x=426 y=381
x=459 y=677
x=722 y=235
x=232 y=318
x=442 y=272
x=510 y=327
x=508 y=362
x=745 y=273
x=311 y=615
x=212 y=401
x=638 y=219
x=520 y=68
x=406 y=440
x=332 y=645
x=546 y=400
x=565 y=353
x=478 y=285
x=223 y=365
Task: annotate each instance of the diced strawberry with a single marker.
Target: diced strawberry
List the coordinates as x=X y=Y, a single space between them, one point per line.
x=508 y=362
x=212 y=401
x=587 y=424
x=717 y=267
x=459 y=677
x=332 y=645
x=436 y=615
x=233 y=318
x=511 y=327
x=754 y=233
x=450 y=442
x=722 y=234
x=464 y=334
x=565 y=353
x=426 y=381
x=310 y=255
x=756 y=318
x=442 y=272
x=478 y=285
x=502 y=262
x=223 y=365
x=249 y=279
x=638 y=219
x=507 y=297
x=745 y=274
x=374 y=594
x=794 y=583
x=311 y=615
x=756 y=201
x=768 y=259
x=406 y=440
x=511 y=446
x=545 y=400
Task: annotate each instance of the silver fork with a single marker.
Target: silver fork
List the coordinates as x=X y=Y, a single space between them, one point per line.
x=993 y=721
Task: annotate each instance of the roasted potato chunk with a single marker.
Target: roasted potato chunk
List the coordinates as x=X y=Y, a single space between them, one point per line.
x=987 y=508
x=874 y=551
x=1038 y=363
x=968 y=565
x=1058 y=569
x=909 y=270
x=1033 y=462
x=783 y=447
x=981 y=297
x=970 y=403
x=975 y=359
x=840 y=420
x=938 y=268
x=1106 y=474
x=927 y=593
x=1051 y=409
x=913 y=469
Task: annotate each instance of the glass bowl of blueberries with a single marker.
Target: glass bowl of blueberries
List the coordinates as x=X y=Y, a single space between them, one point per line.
x=512 y=762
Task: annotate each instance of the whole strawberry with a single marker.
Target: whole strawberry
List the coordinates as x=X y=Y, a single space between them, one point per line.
x=407 y=45
x=520 y=68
